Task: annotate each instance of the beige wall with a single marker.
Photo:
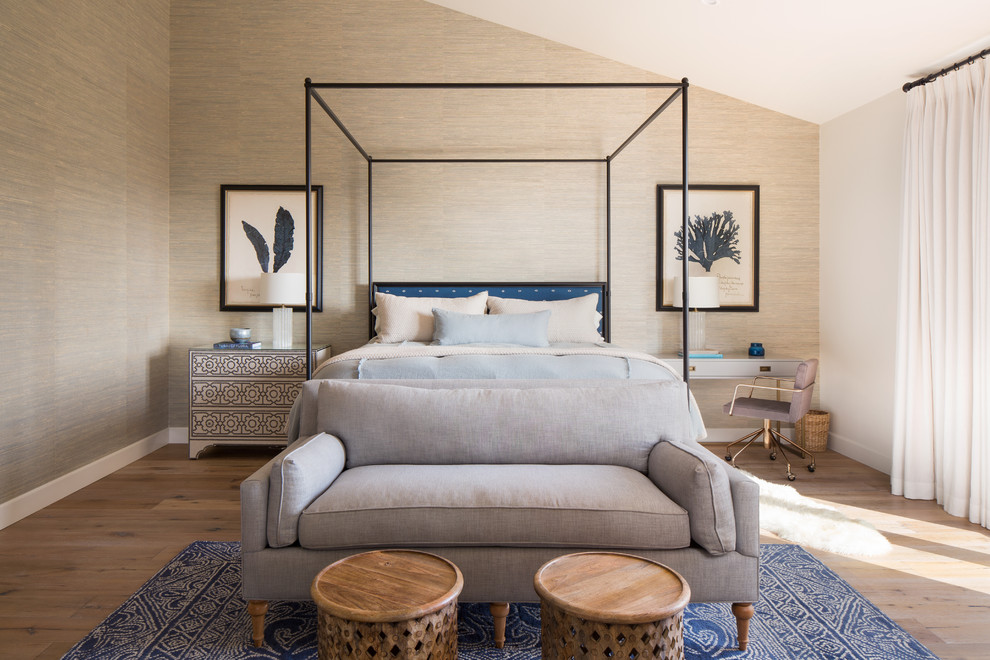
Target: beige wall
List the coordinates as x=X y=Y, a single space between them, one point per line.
x=237 y=117
x=861 y=163
x=109 y=198
x=83 y=233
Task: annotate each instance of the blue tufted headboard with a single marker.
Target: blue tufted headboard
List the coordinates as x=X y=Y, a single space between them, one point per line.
x=523 y=290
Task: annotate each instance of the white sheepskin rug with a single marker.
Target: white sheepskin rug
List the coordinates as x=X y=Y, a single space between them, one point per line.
x=792 y=516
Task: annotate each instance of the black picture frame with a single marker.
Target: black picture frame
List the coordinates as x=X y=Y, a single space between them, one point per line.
x=739 y=282
x=257 y=205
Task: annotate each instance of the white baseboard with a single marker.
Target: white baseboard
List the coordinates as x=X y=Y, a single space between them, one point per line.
x=178 y=435
x=35 y=500
x=859 y=452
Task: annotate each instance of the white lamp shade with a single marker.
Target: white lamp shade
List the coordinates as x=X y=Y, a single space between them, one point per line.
x=283 y=289
x=702 y=292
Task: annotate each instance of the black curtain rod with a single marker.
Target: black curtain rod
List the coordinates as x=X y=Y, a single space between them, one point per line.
x=953 y=67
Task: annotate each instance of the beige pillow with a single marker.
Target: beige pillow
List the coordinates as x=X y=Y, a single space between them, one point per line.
x=572 y=320
x=402 y=318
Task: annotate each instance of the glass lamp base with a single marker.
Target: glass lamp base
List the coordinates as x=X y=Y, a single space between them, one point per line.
x=282 y=327
x=696 y=331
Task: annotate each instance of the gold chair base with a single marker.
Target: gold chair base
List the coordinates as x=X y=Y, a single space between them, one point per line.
x=772 y=442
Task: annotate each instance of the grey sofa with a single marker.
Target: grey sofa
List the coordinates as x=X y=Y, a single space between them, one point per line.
x=499 y=477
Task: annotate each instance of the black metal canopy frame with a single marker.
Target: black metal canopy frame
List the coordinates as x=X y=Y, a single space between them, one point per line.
x=312 y=93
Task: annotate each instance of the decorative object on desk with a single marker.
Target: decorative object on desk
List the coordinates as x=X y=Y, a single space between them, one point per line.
x=756 y=349
x=722 y=241
x=240 y=335
x=695 y=353
x=246 y=344
x=703 y=293
x=259 y=236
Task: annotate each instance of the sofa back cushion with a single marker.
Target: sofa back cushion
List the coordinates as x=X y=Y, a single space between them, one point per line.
x=394 y=424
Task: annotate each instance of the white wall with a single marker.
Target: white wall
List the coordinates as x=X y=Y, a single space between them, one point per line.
x=861 y=155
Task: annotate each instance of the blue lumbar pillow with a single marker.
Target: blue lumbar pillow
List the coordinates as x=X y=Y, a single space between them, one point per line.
x=520 y=329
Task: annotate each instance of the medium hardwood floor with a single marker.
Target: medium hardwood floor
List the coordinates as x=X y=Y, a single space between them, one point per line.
x=64 y=569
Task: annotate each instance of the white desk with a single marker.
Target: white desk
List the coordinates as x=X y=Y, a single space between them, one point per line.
x=739 y=366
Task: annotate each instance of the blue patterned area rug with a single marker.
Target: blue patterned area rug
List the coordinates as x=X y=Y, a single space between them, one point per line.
x=193 y=609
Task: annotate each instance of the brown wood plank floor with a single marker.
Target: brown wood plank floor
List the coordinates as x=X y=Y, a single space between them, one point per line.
x=64 y=569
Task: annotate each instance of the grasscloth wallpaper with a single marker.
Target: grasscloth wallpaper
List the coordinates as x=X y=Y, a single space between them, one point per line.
x=119 y=122
x=83 y=233
x=237 y=108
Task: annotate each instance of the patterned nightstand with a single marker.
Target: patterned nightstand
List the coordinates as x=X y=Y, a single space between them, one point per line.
x=243 y=397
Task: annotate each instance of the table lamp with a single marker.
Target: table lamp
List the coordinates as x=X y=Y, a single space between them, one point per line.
x=702 y=294
x=282 y=291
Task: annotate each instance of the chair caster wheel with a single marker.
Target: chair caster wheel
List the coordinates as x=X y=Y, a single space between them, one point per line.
x=811 y=468
x=791 y=477
x=728 y=457
x=773 y=456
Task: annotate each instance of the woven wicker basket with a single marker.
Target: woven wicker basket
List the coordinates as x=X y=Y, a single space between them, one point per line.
x=812 y=430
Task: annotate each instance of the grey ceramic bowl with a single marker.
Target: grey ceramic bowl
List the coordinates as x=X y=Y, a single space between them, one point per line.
x=240 y=335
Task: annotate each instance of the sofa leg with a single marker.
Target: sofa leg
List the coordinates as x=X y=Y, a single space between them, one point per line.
x=499 y=612
x=257 y=609
x=744 y=612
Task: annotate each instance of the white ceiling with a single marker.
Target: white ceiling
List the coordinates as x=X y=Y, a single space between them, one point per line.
x=812 y=59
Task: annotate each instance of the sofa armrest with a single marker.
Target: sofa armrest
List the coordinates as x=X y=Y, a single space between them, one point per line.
x=300 y=474
x=254 y=509
x=696 y=480
x=273 y=497
x=746 y=505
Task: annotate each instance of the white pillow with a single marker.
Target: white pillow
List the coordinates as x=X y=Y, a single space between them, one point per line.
x=572 y=320
x=402 y=318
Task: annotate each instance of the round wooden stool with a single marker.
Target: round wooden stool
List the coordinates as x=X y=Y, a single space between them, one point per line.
x=388 y=604
x=611 y=605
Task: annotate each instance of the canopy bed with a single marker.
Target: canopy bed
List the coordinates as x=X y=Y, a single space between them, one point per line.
x=421 y=151
x=454 y=377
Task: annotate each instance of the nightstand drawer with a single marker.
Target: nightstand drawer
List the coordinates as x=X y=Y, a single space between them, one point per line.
x=259 y=362
x=251 y=425
x=215 y=392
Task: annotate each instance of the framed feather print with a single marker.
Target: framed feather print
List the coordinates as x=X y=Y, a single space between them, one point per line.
x=262 y=230
x=723 y=241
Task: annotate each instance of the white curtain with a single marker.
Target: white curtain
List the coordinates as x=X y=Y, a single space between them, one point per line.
x=942 y=404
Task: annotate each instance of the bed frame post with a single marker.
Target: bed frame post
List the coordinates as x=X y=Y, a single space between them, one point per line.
x=371 y=279
x=607 y=302
x=309 y=224
x=684 y=232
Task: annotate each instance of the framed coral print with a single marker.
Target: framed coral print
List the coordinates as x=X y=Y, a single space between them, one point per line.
x=262 y=233
x=723 y=240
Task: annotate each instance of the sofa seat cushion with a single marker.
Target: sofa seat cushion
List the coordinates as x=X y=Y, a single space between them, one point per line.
x=526 y=505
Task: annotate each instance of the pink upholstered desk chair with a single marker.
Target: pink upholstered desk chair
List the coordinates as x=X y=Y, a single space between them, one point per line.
x=774 y=410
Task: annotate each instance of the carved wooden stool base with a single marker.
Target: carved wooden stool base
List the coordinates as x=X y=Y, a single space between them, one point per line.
x=571 y=638
x=388 y=605
x=610 y=605
x=430 y=637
